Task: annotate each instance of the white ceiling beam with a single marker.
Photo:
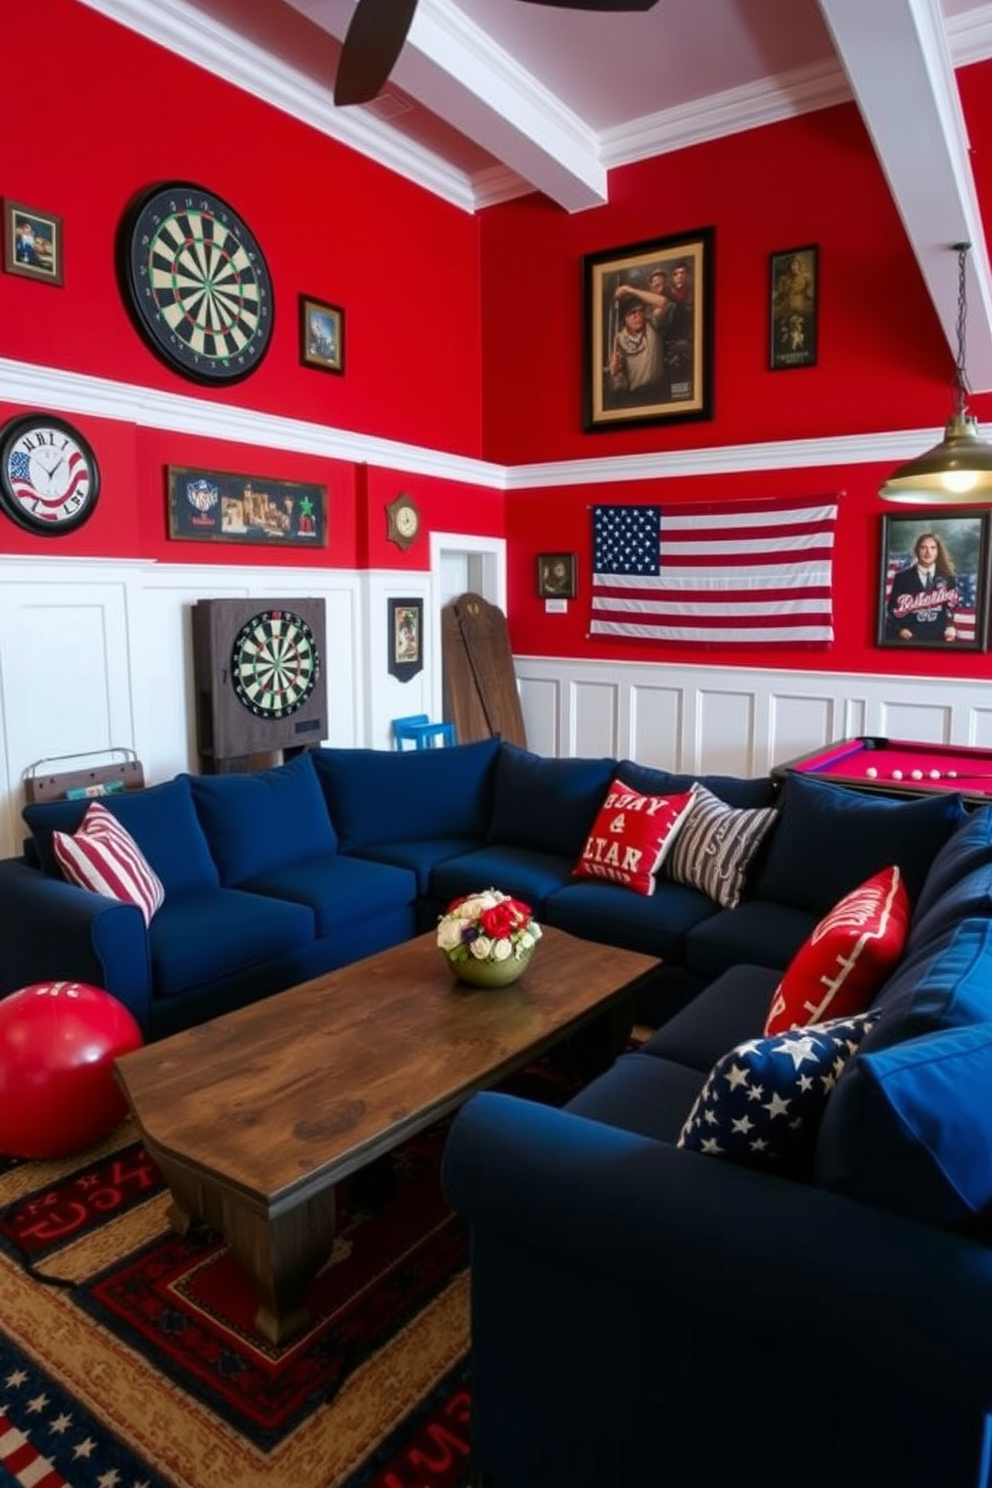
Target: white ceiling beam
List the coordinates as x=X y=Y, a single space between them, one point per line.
x=899 y=68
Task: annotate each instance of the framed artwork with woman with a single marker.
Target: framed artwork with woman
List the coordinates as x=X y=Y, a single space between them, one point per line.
x=933 y=587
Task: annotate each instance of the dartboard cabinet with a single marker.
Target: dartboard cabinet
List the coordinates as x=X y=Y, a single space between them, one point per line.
x=260 y=679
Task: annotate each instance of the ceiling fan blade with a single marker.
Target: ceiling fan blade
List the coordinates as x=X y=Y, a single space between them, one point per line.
x=372 y=44
x=616 y=6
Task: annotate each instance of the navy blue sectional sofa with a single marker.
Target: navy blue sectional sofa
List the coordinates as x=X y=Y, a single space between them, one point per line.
x=647 y=1311
x=278 y=875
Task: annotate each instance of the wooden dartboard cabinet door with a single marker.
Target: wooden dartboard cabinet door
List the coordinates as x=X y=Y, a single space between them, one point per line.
x=480 y=683
x=260 y=678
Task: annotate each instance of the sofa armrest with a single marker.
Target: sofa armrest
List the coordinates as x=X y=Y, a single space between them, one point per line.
x=696 y=1236
x=52 y=930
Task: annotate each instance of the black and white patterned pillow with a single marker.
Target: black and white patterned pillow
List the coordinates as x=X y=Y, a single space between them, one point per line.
x=763 y=1101
x=714 y=845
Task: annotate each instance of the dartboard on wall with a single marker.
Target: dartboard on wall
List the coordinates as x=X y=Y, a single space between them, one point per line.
x=259 y=675
x=196 y=282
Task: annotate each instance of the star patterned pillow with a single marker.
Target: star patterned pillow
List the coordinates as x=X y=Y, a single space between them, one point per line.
x=763 y=1101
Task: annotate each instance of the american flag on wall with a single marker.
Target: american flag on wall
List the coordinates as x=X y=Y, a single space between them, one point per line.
x=751 y=571
x=965 y=615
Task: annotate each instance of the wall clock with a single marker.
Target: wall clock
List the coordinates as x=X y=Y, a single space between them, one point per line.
x=49 y=478
x=403 y=520
x=196 y=283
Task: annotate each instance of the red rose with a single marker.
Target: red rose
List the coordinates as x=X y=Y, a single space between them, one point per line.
x=500 y=921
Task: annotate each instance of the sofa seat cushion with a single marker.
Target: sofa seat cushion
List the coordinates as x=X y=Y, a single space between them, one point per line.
x=197 y=939
x=421 y=857
x=840 y=967
x=735 y=790
x=545 y=803
x=340 y=890
x=162 y=820
x=631 y=835
x=946 y=984
x=523 y=874
x=830 y=839
x=757 y=932
x=656 y=925
x=725 y=1013
x=641 y=1094
x=374 y=795
x=968 y=847
x=263 y=819
x=762 y=1102
x=906 y=1128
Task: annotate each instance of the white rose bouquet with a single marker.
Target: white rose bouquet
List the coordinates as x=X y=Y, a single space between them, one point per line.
x=489 y=926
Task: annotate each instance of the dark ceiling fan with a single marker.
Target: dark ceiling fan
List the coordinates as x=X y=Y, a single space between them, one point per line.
x=378 y=29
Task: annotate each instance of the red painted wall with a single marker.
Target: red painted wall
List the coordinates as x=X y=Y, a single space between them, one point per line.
x=464 y=334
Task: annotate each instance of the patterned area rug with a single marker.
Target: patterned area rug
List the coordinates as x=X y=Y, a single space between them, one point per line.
x=142 y=1370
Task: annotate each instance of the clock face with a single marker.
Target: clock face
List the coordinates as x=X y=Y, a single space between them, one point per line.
x=197 y=283
x=404 y=521
x=49 y=479
x=274 y=663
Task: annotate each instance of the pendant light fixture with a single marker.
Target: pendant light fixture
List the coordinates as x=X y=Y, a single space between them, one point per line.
x=958 y=470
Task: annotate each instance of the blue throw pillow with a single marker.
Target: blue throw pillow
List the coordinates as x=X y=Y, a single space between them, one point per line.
x=830 y=839
x=161 y=820
x=907 y=1128
x=264 y=819
x=545 y=803
x=763 y=1101
x=412 y=795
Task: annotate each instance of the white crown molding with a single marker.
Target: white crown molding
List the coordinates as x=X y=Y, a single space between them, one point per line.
x=72 y=393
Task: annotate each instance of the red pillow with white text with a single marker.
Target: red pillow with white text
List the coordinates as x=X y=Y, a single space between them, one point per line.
x=846 y=958
x=631 y=836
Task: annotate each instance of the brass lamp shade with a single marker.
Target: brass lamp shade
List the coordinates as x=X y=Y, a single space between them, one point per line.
x=958 y=470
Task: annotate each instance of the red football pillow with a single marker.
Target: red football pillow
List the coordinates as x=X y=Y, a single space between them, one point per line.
x=631 y=836
x=846 y=958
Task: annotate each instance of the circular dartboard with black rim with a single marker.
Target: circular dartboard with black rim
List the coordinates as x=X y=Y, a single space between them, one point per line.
x=274 y=663
x=197 y=283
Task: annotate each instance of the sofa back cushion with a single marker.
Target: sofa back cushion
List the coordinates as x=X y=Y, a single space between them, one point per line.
x=968 y=847
x=946 y=984
x=162 y=821
x=544 y=803
x=736 y=790
x=968 y=897
x=829 y=839
x=906 y=1128
x=381 y=795
x=264 y=819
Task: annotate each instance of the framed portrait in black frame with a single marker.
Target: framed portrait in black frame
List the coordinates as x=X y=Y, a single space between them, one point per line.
x=933 y=583
x=405 y=638
x=648 y=332
x=793 y=295
x=556 y=575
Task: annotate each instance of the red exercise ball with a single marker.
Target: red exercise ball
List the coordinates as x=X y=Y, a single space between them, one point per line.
x=58 y=1043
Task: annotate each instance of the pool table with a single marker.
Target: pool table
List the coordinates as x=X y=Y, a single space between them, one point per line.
x=899 y=767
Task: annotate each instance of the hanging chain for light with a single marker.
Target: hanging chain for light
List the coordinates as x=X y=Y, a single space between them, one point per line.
x=961 y=388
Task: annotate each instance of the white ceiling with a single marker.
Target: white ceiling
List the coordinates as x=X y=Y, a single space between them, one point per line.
x=491 y=98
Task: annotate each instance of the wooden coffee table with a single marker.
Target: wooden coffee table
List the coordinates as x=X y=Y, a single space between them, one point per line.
x=254 y=1117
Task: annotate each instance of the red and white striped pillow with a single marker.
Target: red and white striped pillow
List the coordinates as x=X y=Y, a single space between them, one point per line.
x=102 y=856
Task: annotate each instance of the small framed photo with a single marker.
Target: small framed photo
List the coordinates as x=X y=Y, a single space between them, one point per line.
x=648 y=332
x=793 y=292
x=933 y=586
x=321 y=335
x=556 y=575
x=406 y=632
x=32 y=242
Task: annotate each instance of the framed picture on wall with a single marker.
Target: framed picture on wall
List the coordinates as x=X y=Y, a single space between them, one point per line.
x=648 y=332
x=793 y=292
x=321 y=335
x=556 y=575
x=406 y=638
x=933 y=585
x=32 y=242
x=217 y=506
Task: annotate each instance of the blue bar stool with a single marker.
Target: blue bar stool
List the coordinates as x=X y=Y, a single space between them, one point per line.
x=418 y=730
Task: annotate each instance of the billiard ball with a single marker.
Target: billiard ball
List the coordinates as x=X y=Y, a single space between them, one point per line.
x=917 y=775
x=896 y=774
x=952 y=774
x=934 y=774
x=871 y=772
